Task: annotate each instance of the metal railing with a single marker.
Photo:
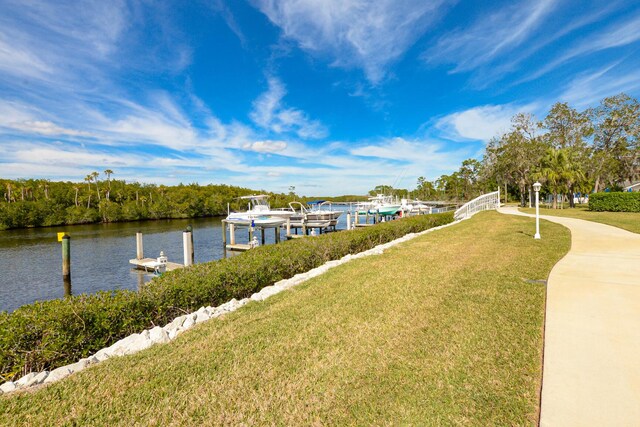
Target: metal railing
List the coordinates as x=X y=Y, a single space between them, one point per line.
x=481 y=203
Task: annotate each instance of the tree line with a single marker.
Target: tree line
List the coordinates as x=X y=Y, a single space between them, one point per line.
x=100 y=198
x=568 y=152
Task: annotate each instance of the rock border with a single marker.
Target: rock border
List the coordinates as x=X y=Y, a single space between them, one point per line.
x=160 y=335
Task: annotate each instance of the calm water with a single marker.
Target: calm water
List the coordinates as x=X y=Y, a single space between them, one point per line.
x=31 y=260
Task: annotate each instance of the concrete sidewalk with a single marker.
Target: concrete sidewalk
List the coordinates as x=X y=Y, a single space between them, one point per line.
x=591 y=372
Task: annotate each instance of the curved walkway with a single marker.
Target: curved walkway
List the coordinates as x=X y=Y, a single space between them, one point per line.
x=591 y=372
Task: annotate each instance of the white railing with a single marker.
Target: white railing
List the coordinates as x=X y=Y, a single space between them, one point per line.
x=481 y=203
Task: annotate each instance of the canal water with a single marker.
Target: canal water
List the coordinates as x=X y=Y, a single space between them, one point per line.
x=31 y=259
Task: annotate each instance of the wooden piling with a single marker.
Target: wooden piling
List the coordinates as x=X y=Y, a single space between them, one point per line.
x=277 y=236
x=232 y=234
x=66 y=258
x=186 y=245
x=348 y=220
x=66 y=283
x=288 y=226
x=262 y=238
x=224 y=234
x=139 y=247
x=193 y=257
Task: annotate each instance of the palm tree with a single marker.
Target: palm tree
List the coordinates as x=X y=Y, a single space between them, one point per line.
x=95 y=176
x=77 y=188
x=108 y=172
x=555 y=170
x=89 y=179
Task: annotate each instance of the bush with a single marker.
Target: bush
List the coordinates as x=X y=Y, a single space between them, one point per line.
x=49 y=334
x=615 y=202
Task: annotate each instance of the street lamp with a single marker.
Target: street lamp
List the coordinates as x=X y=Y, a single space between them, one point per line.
x=536 y=188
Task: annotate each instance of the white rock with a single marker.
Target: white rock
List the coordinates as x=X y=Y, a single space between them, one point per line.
x=24 y=380
x=202 y=316
x=37 y=379
x=172 y=334
x=78 y=366
x=57 y=374
x=91 y=360
x=8 y=387
x=189 y=322
x=102 y=354
x=229 y=305
x=158 y=335
x=141 y=342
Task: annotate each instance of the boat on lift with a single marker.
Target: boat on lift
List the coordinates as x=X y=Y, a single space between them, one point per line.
x=259 y=213
x=381 y=205
x=314 y=215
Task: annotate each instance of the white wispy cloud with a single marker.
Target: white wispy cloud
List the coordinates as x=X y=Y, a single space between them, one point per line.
x=58 y=41
x=267 y=146
x=414 y=157
x=591 y=86
x=355 y=33
x=616 y=35
x=270 y=113
x=490 y=36
x=479 y=123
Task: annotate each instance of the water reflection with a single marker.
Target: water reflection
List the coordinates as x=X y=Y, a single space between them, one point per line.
x=30 y=263
x=66 y=284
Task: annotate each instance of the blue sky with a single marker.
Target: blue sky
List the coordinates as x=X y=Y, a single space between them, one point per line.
x=329 y=96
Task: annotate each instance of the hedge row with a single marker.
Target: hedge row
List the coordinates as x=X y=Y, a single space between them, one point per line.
x=49 y=334
x=615 y=202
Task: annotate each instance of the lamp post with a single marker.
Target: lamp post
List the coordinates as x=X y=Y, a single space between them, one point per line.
x=536 y=188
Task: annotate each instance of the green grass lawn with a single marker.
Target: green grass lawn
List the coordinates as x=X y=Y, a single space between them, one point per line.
x=627 y=220
x=444 y=329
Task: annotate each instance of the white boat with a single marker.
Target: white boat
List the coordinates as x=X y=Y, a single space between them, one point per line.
x=414 y=207
x=322 y=210
x=316 y=214
x=259 y=214
x=380 y=204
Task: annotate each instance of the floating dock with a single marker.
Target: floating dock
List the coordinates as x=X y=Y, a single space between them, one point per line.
x=150 y=264
x=238 y=247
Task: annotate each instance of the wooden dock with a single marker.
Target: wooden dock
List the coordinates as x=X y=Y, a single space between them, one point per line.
x=238 y=247
x=295 y=236
x=148 y=264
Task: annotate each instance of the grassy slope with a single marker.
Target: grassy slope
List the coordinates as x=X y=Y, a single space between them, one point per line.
x=626 y=220
x=443 y=329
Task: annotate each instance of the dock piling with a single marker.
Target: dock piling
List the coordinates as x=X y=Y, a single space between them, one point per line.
x=188 y=251
x=139 y=247
x=193 y=255
x=66 y=259
x=232 y=234
x=348 y=220
x=262 y=237
x=224 y=233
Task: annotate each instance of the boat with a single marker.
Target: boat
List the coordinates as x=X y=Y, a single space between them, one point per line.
x=259 y=214
x=381 y=205
x=414 y=207
x=321 y=210
x=312 y=216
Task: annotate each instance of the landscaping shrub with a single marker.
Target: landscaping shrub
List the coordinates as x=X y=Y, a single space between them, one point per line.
x=49 y=334
x=615 y=202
